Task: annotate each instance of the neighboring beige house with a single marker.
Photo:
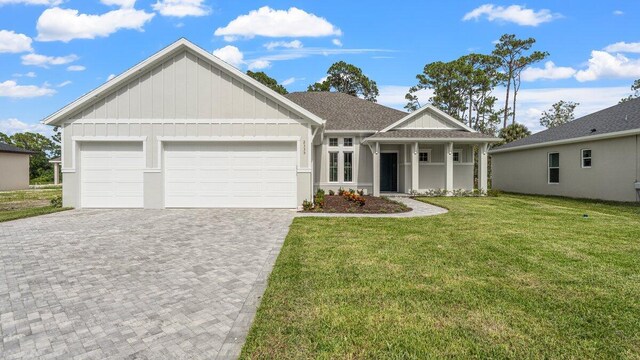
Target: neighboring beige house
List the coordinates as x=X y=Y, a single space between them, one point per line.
x=14 y=167
x=596 y=156
x=185 y=129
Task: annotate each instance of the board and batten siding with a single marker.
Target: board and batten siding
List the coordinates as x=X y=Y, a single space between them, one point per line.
x=185 y=96
x=426 y=120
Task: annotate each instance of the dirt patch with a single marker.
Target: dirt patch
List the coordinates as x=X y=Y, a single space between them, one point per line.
x=373 y=205
x=24 y=204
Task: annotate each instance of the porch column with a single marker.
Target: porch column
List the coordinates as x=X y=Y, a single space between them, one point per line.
x=448 y=163
x=483 y=169
x=415 y=168
x=376 y=169
x=56 y=173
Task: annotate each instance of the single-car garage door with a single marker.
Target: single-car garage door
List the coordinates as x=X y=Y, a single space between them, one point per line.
x=111 y=175
x=231 y=174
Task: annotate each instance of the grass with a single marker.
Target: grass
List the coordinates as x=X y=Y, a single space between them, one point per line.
x=27 y=203
x=497 y=277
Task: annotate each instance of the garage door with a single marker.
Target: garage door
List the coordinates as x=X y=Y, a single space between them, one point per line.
x=250 y=175
x=111 y=175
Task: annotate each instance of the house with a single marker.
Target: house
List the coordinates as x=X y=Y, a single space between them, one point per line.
x=596 y=156
x=14 y=167
x=185 y=129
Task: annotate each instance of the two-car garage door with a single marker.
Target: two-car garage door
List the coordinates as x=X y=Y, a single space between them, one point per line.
x=196 y=174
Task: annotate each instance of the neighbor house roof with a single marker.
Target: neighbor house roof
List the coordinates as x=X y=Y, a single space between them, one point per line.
x=619 y=120
x=432 y=134
x=346 y=112
x=6 y=148
x=56 y=159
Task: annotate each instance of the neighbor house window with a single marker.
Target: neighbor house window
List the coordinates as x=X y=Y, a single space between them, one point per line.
x=554 y=168
x=348 y=167
x=348 y=141
x=333 y=167
x=586 y=158
x=333 y=141
x=424 y=157
x=457 y=156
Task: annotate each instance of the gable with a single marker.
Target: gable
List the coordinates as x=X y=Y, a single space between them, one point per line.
x=183 y=82
x=428 y=118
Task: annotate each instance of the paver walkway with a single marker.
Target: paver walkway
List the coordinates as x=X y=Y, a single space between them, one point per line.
x=137 y=284
x=419 y=208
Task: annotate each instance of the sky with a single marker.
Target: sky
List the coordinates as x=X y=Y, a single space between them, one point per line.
x=53 y=51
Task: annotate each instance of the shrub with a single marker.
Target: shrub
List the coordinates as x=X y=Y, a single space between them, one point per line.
x=331 y=192
x=361 y=192
x=493 y=193
x=341 y=191
x=358 y=199
x=318 y=199
x=57 y=201
x=351 y=191
x=307 y=205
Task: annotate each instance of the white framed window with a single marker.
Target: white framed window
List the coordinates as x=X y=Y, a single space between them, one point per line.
x=554 y=168
x=333 y=167
x=333 y=141
x=347 y=142
x=585 y=158
x=348 y=166
x=424 y=156
x=457 y=155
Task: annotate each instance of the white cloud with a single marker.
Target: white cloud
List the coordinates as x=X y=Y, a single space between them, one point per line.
x=11 y=42
x=295 y=44
x=30 y=74
x=605 y=65
x=181 y=8
x=259 y=65
x=128 y=4
x=293 y=54
x=618 y=12
x=549 y=72
x=269 y=22
x=11 y=89
x=76 y=68
x=111 y=76
x=289 y=81
x=32 y=2
x=12 y=126
x=58 y=24
x=45 y=61
x=230 y=54
x=515 y=13
x=623 y=47
x=393 y=96
x=336 y=42
x=64 y=83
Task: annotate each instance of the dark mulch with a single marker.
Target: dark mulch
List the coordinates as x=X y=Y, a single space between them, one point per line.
x=373 y=205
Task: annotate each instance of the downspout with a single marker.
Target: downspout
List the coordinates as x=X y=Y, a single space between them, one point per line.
x=312 y=151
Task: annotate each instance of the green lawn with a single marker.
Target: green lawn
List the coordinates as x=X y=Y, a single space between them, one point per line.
x=26 y=203
x=498 y=277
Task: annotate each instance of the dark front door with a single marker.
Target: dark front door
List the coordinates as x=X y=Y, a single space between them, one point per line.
x=388 y=172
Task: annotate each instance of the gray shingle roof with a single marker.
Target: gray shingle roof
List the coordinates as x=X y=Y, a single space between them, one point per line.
x=621 y=117
x=346 y=112
x=6 y=148
x=430 y=134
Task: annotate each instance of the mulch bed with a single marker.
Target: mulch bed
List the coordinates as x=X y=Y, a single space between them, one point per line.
x=373 y=205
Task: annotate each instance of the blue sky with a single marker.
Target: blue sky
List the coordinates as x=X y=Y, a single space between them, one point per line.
x=52 y=51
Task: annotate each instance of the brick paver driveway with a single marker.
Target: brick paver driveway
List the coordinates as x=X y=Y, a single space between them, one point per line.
x=137 y=284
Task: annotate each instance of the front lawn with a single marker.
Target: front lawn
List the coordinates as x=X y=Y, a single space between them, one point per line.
x=26 y=203
x=506 y=277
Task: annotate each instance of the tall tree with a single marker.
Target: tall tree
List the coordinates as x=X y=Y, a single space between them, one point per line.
x=270 y=82
x=512 y=53
x=445 y=80
x=349 y=79
x=44 y=148
x=513 y=132
x=560 y=113
x=635 y=87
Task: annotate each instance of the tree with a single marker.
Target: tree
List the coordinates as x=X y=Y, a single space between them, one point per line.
x=511 y=52
x=349 y=79
x=513 y=132
x=4 y=138
x=44 y=148
x=560 y=113
x=445 y=80
x=636 y=92
x=270 y=82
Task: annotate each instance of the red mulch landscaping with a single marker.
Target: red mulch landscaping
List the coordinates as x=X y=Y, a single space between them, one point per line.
x=373 y=205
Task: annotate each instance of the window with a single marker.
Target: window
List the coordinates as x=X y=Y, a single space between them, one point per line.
x=333 y=167
x=348 y=167
x=333 y=141
x=554 y=168
x=347 y=141
x=424 y=157
x=456 y=156
x=586 y=158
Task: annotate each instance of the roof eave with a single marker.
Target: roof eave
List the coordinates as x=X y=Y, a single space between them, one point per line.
x=424 y=109
x=432 y=140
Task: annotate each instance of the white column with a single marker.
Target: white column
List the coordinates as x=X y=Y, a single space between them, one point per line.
x=56 y=173
x=448 y=162
x=483 y=169
x=376 y=170
x=415 y=167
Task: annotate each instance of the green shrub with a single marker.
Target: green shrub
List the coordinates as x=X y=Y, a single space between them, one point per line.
x=307 y=205
x=331 y=192
x=318 y=199
x=493 y=193
x=57 y=201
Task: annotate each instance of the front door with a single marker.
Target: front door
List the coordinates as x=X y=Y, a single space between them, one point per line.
x=388 y=172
